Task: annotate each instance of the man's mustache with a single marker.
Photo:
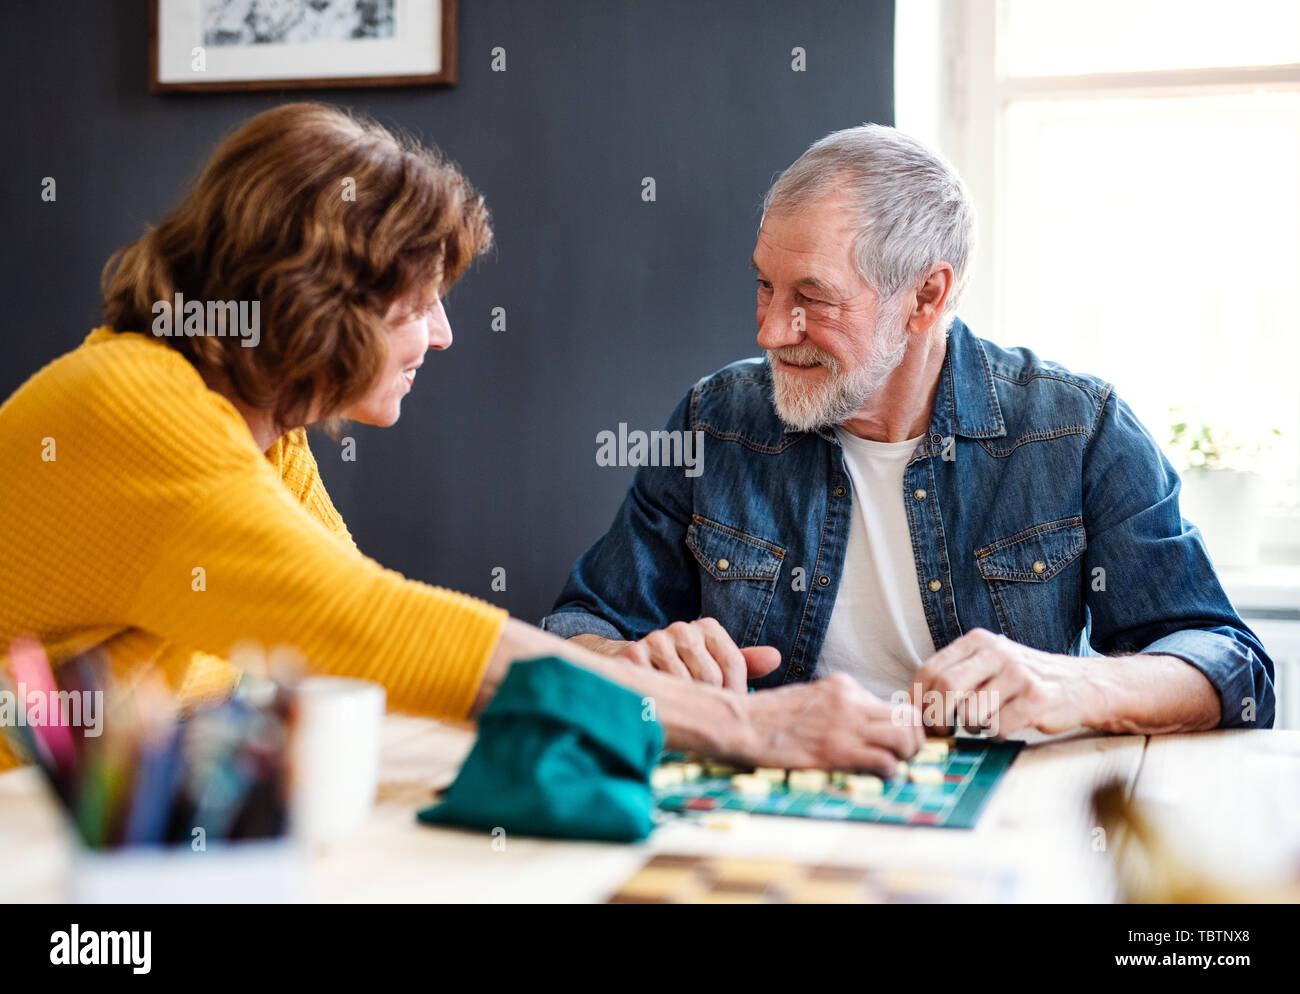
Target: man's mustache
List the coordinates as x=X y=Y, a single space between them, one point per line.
x=803 y=355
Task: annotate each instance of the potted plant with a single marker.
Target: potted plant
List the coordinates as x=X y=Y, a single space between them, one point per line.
x=1221 y=492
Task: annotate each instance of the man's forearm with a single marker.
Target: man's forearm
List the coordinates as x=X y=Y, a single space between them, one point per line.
x=1151 y=695
x=693 y=716
x=599 y=644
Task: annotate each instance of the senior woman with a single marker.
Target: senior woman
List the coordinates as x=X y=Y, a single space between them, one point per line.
x=161 y=500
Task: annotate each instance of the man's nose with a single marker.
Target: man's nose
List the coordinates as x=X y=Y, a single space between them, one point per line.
x=439 y=329
x=778 y=328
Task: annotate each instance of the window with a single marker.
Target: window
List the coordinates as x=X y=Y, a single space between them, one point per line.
x=1136 y=169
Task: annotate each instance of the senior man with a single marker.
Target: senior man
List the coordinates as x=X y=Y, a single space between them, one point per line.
x=887 y=496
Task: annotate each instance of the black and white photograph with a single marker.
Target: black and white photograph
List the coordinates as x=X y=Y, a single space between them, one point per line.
x=295 y=22
x=223 y=45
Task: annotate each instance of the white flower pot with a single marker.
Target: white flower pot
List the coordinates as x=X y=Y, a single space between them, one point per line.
x=1224 y=504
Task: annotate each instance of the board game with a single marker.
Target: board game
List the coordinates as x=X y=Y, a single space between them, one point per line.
x=947 y=785
x=681 y=878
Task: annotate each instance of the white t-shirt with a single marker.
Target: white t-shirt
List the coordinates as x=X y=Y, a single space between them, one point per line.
x=877 y=632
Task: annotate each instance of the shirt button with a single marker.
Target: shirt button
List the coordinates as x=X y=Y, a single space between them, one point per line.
x=724 y=565
x=824 y=580
x=919 y=494
x=1040 y=567
x=935 y=586
x=840 y=491
x=936 y=438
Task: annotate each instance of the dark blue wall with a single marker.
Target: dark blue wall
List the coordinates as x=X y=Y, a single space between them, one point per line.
x=614 y=306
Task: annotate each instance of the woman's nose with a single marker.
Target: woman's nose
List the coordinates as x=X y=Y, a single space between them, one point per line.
x=439 y=329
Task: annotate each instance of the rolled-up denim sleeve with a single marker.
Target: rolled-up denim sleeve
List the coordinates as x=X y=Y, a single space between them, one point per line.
x=1149 y=583
x=570 y=620
x=640 y=575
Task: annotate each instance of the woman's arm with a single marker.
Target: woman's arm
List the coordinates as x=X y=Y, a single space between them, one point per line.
x=827 y=723
x=273 y=572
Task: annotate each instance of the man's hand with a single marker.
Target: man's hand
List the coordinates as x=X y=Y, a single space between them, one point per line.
x=983 y=680
x=829 y=724
x=696 y=650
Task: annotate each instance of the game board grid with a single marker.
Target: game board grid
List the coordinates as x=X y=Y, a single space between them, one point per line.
x=971 y=771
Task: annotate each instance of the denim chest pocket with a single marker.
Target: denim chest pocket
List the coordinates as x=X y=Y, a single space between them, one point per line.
x=1033 y=579
x=738 y=574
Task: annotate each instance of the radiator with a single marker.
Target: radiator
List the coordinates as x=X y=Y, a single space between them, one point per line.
x=1282 y=642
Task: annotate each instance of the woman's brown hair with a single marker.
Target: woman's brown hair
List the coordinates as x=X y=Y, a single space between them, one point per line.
x=325 y=220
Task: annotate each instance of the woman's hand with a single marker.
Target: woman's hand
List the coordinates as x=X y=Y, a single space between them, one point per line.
x=829 y=724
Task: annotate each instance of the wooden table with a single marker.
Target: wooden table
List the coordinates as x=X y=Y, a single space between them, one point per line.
x=1229 y=796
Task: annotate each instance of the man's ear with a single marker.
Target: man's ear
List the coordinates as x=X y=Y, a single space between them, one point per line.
x=930 y=297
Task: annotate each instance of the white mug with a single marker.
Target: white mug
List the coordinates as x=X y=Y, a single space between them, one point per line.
x=336 y=745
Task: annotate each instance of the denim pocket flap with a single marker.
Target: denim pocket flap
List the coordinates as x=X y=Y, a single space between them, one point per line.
x=1035 y=554
x=729 y=554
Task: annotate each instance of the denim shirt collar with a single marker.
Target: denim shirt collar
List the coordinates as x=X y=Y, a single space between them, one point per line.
x=966 y=402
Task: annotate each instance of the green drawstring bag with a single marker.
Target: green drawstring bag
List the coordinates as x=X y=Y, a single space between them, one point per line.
x=561 y=752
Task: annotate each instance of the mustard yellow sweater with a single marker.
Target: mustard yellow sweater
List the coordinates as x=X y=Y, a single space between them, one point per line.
x=127 y=485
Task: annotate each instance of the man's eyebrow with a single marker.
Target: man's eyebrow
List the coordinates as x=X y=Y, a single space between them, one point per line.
x=812 y=283
x=818 y=286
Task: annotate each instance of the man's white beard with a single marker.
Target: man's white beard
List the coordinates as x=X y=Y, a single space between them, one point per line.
x=807 y=407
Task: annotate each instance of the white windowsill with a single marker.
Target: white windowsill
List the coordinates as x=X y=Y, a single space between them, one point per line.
x=1270 y=587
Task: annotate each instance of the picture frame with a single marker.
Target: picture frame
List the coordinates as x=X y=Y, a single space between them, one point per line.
x=240 y=45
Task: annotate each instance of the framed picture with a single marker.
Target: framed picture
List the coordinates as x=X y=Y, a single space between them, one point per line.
x=197 y=45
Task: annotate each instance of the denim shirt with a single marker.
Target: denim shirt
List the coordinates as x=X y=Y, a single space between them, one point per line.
x=1038 y=506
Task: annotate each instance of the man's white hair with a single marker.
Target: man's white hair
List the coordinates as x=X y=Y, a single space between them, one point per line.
x=912 y=208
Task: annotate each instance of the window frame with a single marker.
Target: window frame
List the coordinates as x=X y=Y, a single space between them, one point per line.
x=962 y=114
